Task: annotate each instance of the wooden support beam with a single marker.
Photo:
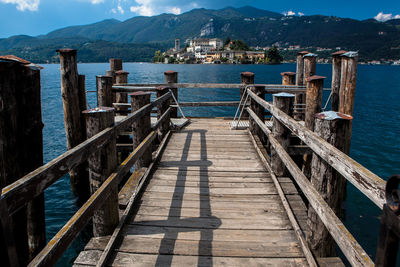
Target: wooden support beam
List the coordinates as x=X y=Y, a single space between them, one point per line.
x=171 y=77
x=259 y=90
x=101 y=164
x=283 y=102
x=315 y=84
x=367 y=182
x=73 y=102
x=104 y=93
x=330 y=126
x=164 y=126
x=116 y=64
x=246 y=78
x=141 y=127
x=354 y=253
x=300 y=97
x=336 y=77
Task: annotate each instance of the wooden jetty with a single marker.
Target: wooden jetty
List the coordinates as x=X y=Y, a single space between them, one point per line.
x=263 y=188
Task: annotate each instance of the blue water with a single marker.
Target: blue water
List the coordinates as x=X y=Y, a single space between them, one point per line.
x=375 y=141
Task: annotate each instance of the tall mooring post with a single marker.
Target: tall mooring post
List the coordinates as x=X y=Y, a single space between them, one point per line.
x=141 y=127
x=74 y=103
x=336 y=77
x=332 y=127
x=101 y=164
x=104 y=91
x=115 y=65
x=300 y=97
x=161 y=109
x=121 y=78
x=259 y=110
x=284 y=102
x=21 y=151
x=310 y=65
x=315 y=85
x=172 y=77
x=246 y=78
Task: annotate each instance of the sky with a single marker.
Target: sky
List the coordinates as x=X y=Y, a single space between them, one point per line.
x=35 y=17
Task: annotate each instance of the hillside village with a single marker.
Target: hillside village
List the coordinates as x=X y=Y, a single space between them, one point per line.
x=212 y=51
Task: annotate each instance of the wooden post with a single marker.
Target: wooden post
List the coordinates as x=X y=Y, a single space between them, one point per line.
x=348 y=82
x=104 y=91
x=288 y=78
x=172 y=77
x=101 y=165
x=115 y=64
x=21 y=150
x=300 y=68
x=336 y=75
x=165 y=126
x=310 y=65
x=121 y=78
x=245 y=78
x=111 y=73
x=141 y=127
x=315 y=85
x=300 y=97
x=332 y=127
x=284 y=102
x=73 y=103
x=259 y=110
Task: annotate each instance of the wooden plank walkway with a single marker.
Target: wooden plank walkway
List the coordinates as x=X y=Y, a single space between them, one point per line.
x=210 y=202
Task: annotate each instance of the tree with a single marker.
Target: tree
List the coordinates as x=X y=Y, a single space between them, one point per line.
x=239 y=45
x=158 y=57
x=227 y=41
x=273 y=56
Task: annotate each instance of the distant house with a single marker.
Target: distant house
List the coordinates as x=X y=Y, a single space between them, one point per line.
x=204 y=45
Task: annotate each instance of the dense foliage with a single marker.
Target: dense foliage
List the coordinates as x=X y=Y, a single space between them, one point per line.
x=273 y=56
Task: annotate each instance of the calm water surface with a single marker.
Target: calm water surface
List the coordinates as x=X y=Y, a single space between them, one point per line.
x=375 y=141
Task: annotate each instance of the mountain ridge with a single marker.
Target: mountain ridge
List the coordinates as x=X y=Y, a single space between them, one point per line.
x=257 y=27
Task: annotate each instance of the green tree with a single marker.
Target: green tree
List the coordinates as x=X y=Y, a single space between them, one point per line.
x=158 y=57
x=273 y=56
x=227 y=41
x=239 y=45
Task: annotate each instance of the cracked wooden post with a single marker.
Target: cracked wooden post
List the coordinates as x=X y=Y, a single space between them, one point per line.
x=315 y=85
x=284 y=102
x=336 y=77
x=259 y=110
x=161 y=108
x=21 y=151
x=101 y=164
x=348 y=82
x=121 y=78
x=246 y=78
x=300 y=97
x=104 y=91
x=172 y=77
x=310 y=65
x=332 y=127
x=141 y=127
x=74 y=103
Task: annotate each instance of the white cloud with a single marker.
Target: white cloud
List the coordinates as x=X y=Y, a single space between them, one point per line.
x=95 y=2
x=385 y=17
x=174 y=10
x=120 y=9
x=289 y=13
x=300 y=14
x=22 y=5
x=144 y=8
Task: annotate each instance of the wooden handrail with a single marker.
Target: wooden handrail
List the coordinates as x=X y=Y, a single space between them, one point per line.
x=344 y=239
x=61 y=241
x=367 y=182
x=17 y=194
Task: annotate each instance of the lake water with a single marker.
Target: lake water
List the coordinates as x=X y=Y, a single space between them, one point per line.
x=375 y=141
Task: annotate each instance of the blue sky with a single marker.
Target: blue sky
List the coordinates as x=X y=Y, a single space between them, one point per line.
x=35 y=17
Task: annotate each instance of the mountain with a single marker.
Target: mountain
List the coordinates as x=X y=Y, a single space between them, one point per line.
x=257 y=27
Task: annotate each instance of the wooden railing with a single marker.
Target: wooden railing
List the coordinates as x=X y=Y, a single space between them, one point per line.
x=18 y=194
x=367 y=182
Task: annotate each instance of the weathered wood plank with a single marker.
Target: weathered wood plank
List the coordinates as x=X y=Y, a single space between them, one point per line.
x=129 y=188
x=123 y=259
x=367 y=182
